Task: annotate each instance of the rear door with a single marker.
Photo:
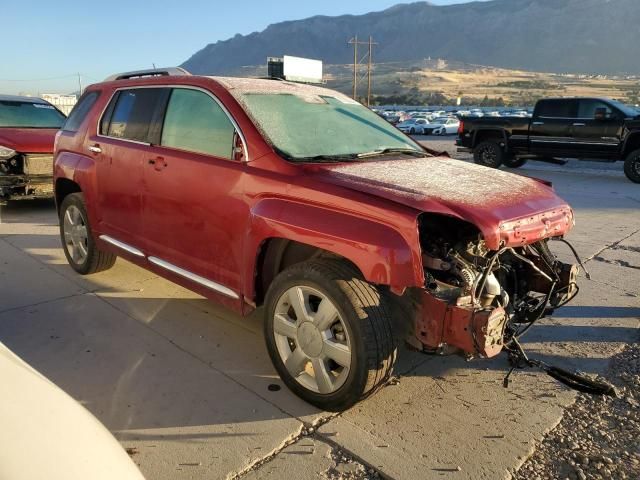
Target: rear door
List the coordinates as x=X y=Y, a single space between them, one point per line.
x=194 y=210
x=597 y=138
x=550 y=132
x=122 y=148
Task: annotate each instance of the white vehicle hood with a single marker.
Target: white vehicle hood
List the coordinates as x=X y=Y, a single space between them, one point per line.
x=45 y=434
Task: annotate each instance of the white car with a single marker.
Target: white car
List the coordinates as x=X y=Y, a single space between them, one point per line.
x=444 y=126
x=45 y=434
x=413 y=125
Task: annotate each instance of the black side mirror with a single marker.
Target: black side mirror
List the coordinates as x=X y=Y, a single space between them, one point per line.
x=600 y=114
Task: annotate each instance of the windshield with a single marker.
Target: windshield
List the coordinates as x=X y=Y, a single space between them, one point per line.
x=18 y=113
x=626 y=109
x=322 y=126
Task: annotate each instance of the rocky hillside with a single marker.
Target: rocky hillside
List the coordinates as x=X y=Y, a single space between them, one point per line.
x=589 y=36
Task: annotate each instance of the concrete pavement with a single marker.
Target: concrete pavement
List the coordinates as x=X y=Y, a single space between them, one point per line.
x=186 y=383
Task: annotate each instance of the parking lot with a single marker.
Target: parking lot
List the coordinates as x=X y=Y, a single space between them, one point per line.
x=189 y=389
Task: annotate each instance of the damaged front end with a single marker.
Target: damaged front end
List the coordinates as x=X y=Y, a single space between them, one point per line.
x=24 y=176
x=476 y=300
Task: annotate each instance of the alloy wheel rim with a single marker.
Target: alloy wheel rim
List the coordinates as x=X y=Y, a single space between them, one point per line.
x=76 y=238
x=312 y=339
x=488 y=155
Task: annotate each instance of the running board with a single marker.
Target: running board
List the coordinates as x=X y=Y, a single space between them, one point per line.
x=122 y=245
x=194 y=278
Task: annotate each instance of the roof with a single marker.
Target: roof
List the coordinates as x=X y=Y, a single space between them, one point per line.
x=19 y=98
x=238 y=86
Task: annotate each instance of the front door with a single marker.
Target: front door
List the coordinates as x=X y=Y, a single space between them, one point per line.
x=194 y=213
x=597 y=137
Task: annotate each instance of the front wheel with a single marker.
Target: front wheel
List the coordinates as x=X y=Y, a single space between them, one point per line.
x=632 y=166
x=328 y=333
x=489 y=153
x=412 y=131
x=79 y=247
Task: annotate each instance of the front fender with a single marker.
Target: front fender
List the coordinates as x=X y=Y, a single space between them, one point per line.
x=381 y=253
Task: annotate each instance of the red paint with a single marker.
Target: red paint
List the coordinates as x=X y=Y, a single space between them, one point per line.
x=28 y=140
x=211 y=216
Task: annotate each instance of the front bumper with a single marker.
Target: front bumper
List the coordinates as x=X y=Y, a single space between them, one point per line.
x=22 y=187
x=445 y=326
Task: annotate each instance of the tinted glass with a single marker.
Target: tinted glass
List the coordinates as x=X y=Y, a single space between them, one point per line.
x=80 y=111
x=556 y=109
x=195 y=122
x=587 y=108
x=29 y=115
x=133 y=113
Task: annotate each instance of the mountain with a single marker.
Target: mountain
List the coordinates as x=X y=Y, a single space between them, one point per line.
x=572 y=36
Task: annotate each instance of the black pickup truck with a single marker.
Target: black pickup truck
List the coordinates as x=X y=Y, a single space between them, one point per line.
x=582 y=128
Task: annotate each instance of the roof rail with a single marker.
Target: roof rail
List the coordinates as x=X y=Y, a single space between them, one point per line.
x=151 y=72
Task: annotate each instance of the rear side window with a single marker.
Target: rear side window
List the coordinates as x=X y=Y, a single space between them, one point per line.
x=195 y=122
x=556 y=109
x=131 y=113
x=80 y=111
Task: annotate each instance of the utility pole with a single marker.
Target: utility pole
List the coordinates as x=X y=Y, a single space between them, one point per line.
x=80 y=83
x=369 y=71
x=357 y=62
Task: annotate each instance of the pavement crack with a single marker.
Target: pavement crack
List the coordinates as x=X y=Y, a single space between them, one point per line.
x=290 y=440
x=612 y=246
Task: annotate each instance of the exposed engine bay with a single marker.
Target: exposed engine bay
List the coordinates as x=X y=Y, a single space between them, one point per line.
x=26 y=176
x=477 y=300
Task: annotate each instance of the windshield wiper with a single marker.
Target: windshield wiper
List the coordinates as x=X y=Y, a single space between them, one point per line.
x=384 y=151
x=327 y=158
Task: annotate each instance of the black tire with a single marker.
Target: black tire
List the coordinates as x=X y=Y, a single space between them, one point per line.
x=366 y=316
x=632 y=166
x=513 y=162
x=489 y=153
x=96 y=260
x=412 y=131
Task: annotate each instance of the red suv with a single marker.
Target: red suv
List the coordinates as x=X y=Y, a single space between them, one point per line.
x=295 y=198
x=27 y=131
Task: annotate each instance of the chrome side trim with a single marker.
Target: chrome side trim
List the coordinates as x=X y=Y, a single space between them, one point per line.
x=193 y=277
x=122 y=245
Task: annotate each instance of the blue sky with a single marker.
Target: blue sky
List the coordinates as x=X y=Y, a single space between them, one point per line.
x=44 y=42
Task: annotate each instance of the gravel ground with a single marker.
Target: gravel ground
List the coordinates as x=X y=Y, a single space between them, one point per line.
x=598 y=437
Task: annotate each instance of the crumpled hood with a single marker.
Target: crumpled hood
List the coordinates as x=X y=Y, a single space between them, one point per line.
x=28 y=140
x=491 y=199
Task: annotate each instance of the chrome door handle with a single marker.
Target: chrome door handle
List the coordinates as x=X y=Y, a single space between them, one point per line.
x=537 y=123
x=95 y=149
x=579 y=124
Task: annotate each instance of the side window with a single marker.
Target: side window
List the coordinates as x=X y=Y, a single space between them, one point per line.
x=587 y=109
x=80 y=111
x=556 y=109
x=131 y=116
x=195 y=122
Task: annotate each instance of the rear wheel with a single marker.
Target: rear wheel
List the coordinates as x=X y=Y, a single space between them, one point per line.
x=632 y=166
x=77 y=241
x=412 y=131
x=489 y=153
x=328 y=333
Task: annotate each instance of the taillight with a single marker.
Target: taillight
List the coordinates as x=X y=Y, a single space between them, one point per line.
x=461 y=128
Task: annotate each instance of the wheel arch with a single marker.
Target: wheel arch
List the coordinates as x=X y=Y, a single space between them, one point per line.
x=283 y=233
x=487 y=134
x=631 y=143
